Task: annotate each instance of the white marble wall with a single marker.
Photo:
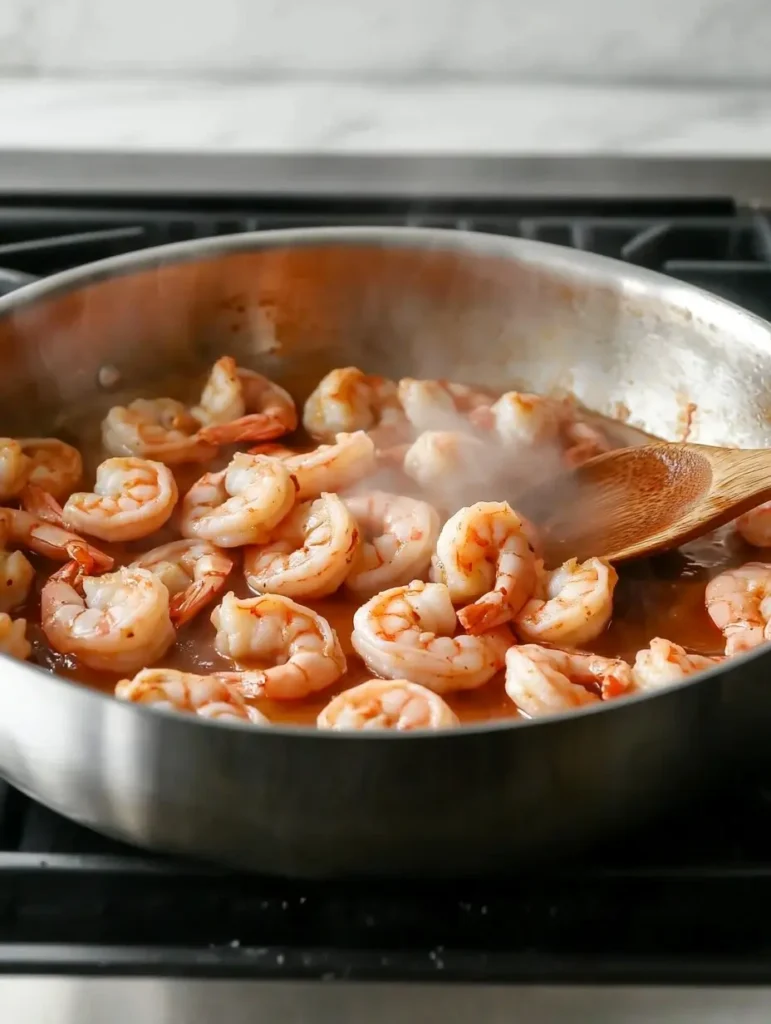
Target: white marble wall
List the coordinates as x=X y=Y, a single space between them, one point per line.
x=664 y=41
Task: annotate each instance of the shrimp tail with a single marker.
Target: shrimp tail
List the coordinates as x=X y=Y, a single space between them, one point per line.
x=185 y=606
x=258 y=427
x=42 y=505
x=485 y=614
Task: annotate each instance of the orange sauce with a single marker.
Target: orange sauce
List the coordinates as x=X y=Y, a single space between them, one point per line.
x=657 y=597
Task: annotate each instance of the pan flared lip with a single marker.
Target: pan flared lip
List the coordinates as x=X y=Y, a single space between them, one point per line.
x=560 y=259
x=87 y=693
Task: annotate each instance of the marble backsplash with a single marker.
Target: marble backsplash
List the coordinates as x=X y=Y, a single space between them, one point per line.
x=661 y=41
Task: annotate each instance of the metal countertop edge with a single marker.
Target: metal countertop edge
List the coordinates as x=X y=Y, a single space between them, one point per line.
x=121 y=1001
x=538 y=175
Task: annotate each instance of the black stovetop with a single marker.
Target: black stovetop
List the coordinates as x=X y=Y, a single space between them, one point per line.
x=687 y=899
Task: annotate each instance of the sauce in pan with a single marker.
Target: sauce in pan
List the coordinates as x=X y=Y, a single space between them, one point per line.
x=656 y=597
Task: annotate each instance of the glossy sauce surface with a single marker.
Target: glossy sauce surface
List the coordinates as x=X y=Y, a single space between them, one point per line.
x=655 y=597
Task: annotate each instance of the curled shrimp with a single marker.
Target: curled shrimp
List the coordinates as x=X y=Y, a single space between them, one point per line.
x=14 y=468
x=347 y=400
x=394 y=704
x=193 y=571
x=440 y=404
x=158 y=428
x=754 y=527
x=545 y=681
x=483 y=555
x=241 y=405
x=303 y=647
x=308 y=554
x=399 y=536
x=408 y=633
x=739 y=603
x=54 y=466
x=132 y=498
x=27 y=530
x=330 y=467
x=520 y=419
x=167 y=689
x=664 y=663
x=240 y=504
x=13 y=637
x=574 y=605
x=118 y=622
x=447 y=465
x=16 y=573
x=583 y=442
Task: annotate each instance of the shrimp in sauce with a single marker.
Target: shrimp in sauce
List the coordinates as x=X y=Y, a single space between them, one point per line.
x=162 y=429
x=16 y=573
x=399 y=537
x=739 y=603
x=132 y=498
x=547 y=681
x=574 y=604
x=299 y=645
x=54 y=467
x=241 y=504
x=167 y=689
x=193 y=571
x=330 y=467
x=13 y=637
x=409 y=633
x=347 y=400
x=483 y=555
x=308 y=554
x=24 y=529
x=663 y=663
x=395 y=704
x=118 y=622
x=242 y=405
x=440 y=404
x=14 y=468
x=754 y=527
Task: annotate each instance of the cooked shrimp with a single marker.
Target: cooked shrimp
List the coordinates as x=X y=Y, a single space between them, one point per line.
x=387 y=704
x=268 y=410
x=27 y=530
x=16 y=574
x=118 y=622
x=399 y=538
x=158 y=428
x=449 y=466
x=408 y=633
x=583 y=442
x=520 y=419
x=167 y=689
x=664 y=663
x=13 y=637
x=306 y=654
x=14 y=468
x=483 y=555
x=545 y=681
x=54 y=466
x=574 y=605
x=308 y=554
x=132 y=498
x=330 y=467
x=754 y=526
x=347 y=400
x=739 y=603
x=440 y=404
x=240 y=504
x=193 y=571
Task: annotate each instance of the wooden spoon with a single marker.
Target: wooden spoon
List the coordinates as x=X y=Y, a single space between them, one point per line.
x=638 y=501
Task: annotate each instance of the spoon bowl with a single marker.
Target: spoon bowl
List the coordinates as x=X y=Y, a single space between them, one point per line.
x=639 y=501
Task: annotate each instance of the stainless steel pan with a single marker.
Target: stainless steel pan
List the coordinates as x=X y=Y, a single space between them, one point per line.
x=296 y=303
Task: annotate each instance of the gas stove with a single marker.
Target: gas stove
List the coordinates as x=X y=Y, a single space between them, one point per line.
x=673 y=923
